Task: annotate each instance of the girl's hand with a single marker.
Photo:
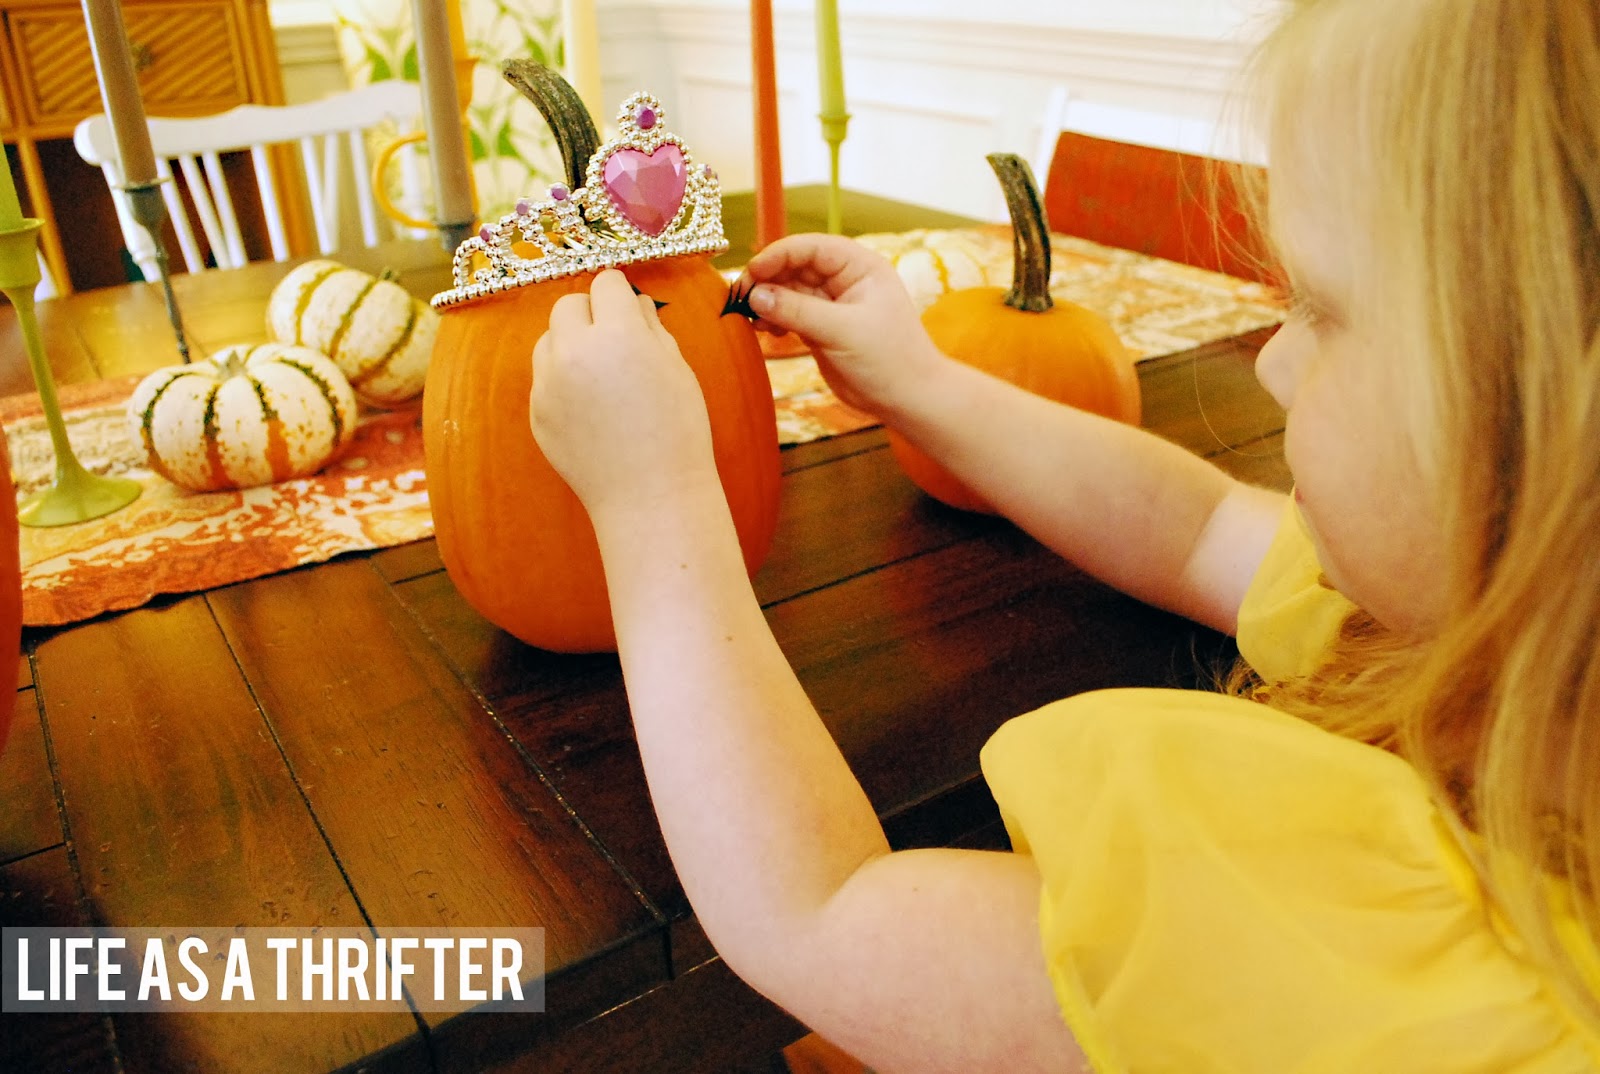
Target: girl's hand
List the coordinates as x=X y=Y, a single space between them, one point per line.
x=848 y=303
x=614 y=407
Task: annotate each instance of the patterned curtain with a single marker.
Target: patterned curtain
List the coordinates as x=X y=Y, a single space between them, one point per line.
x=513 y=152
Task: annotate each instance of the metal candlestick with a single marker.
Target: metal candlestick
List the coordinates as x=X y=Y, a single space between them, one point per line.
x=75 y=495
x=149 y=211
x=452 y=236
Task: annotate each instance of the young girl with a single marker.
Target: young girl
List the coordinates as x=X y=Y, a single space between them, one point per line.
x=1383 y=857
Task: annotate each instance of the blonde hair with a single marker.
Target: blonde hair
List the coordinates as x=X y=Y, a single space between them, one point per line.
x=1461 y=140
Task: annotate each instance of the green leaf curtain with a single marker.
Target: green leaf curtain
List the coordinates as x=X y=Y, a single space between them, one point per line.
x=513 y=152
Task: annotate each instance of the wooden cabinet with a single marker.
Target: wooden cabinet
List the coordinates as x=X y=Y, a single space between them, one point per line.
x=193 y=57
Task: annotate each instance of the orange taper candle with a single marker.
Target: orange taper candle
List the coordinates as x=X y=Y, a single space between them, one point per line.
x=770 y=217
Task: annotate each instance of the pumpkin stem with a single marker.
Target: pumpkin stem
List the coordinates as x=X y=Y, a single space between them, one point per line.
x=1030 y=234
x=562 y=108
x=232 y=365
x=388 y=275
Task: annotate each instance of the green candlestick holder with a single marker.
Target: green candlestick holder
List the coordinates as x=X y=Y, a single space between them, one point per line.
x=834 y=127
x=75 y=495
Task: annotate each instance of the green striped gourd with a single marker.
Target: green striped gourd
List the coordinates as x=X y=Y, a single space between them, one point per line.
x=372 y=328
x=248 y=415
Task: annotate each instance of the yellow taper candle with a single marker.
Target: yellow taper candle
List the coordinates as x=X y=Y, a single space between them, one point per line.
x=10 y=208
x=119 y=90
x=835 y=120
x=830 y=67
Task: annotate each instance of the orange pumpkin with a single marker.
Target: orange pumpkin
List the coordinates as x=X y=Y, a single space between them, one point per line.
x=514 y=538
x=1055 y=349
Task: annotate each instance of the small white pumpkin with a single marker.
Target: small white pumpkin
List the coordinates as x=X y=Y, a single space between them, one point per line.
x=250 y=414
x=373 y=329
x=932 y=261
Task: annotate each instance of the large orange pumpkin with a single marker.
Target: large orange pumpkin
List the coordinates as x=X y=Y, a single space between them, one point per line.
x=1055 y=349
x=514 y=538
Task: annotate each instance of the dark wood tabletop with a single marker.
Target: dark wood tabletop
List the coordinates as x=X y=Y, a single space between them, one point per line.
x=352 y=744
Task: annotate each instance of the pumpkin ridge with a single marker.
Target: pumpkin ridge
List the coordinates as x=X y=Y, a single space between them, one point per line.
x=277 y=449
x=303 y=300
x=268 y=411
x=209 y=433
x=147 y=418
x=347 y=318
x=327 y=394
x=377 y=368
x=148 y=414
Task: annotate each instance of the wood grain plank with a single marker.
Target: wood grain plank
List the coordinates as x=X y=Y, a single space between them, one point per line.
x=41 y=891
x=183 y=814
x=407 y=561
x=478 y=839
x=497 y=667
x=69 y=358
x=1208 y=398
x=817 y=452
x=856 y=513
x=29 y=822
x=705 y=1022
x=418 y=558
x=942 y=649
x=126 y=330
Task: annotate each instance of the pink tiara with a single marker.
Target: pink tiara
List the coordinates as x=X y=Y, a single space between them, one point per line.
x=643 y=198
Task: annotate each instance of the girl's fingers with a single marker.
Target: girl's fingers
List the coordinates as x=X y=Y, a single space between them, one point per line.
x=831 y=263
x=652 y=318
x=612 y=295
x=647 y=306
x=812 y=316
x=571 y=312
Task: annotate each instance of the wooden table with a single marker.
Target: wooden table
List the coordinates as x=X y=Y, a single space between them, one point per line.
x=351 y=743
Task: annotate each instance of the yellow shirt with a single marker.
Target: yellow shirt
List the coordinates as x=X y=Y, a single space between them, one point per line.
x=1231 y=890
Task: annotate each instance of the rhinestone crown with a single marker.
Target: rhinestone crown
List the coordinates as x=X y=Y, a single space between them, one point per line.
x=643 y=198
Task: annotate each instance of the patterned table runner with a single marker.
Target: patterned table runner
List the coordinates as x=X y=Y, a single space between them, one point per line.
x=375 y=496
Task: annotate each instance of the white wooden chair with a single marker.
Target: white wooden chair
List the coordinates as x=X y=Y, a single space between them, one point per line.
x=47 y=281
x=320 y=128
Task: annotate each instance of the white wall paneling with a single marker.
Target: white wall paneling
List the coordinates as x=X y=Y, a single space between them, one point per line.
x=930 y=93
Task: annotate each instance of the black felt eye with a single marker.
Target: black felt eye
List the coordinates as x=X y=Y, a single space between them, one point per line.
x=739 y=301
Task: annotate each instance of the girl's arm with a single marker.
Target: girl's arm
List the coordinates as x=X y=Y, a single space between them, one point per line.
x=1136 y=511
x=1141 y=514
x=916 y=961
x=925 y=960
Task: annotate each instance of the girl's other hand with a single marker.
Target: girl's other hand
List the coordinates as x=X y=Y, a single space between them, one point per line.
x=614 y=406
x=849 y=305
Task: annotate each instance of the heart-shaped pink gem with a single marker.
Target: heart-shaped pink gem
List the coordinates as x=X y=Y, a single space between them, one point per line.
x=646 y=189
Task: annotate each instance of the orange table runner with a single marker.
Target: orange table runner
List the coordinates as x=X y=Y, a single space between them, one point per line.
x=375 y=496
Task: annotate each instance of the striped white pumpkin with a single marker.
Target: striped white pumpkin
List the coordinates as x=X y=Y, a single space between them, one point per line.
x=933 y=261
x=248 y=415
x=373 y=329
